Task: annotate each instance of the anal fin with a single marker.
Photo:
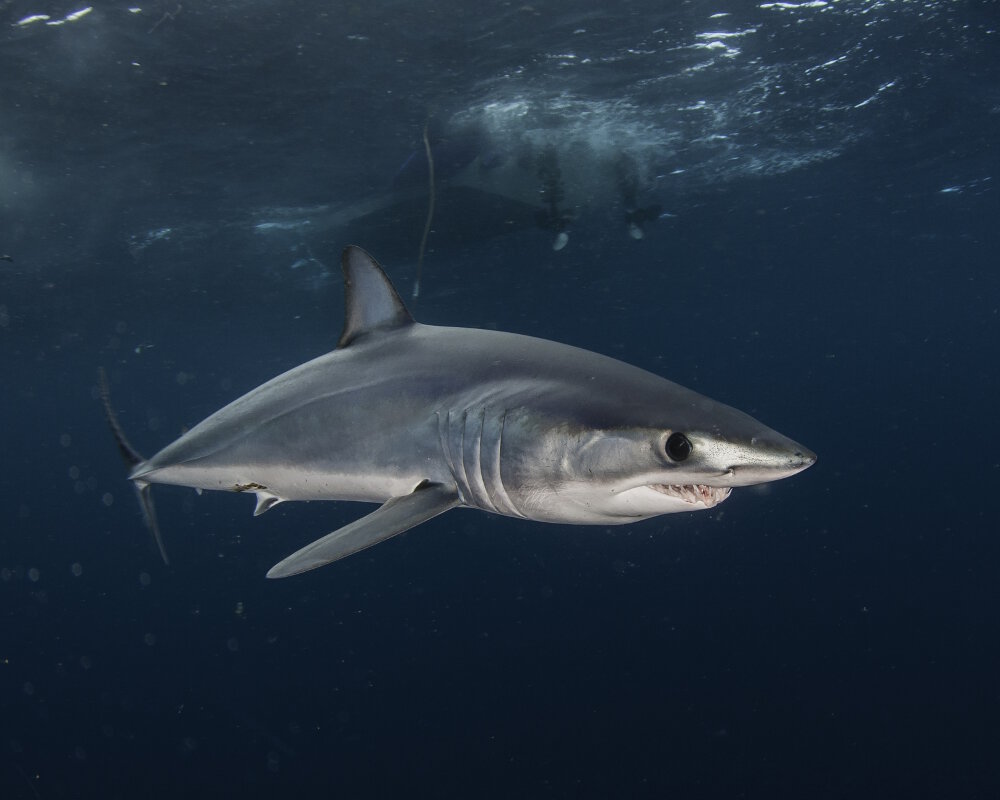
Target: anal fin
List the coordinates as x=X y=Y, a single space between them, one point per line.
x=393 y=517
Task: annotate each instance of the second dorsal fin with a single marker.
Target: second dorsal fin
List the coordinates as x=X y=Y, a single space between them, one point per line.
x=372 y=304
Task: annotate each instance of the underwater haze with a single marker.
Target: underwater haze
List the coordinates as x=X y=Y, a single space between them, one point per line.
x=791 y=207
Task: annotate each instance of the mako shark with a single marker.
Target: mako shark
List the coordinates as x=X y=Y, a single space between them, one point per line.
x=423 y=419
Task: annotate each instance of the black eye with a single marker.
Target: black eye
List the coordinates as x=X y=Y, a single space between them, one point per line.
x=678 y=447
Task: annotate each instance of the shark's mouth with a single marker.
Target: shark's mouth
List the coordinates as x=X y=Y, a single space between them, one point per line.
x=708 y=496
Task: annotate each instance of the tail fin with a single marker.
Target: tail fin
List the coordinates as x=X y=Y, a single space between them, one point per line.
x=145 y=495
x=132 y=458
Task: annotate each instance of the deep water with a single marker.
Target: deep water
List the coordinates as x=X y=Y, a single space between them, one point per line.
x=827 y=263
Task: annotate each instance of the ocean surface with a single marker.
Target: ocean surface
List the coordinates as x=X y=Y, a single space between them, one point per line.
x=818 y=248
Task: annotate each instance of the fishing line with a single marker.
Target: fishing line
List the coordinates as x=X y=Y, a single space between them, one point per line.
x=430 y=214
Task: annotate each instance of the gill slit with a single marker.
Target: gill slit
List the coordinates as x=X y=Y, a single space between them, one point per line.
x=501 y=490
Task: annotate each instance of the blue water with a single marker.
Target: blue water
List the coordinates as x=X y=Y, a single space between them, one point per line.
x=176 y=183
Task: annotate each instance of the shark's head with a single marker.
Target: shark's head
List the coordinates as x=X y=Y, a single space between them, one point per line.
x=614 y=475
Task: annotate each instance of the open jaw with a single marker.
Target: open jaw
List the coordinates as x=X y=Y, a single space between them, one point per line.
x=707 y=496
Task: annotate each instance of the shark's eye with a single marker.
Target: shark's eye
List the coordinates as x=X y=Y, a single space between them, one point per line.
x=678 y=446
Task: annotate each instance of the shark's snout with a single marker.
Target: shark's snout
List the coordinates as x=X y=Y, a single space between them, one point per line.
x=770 y=459
x=804 y=458
x=793 y=456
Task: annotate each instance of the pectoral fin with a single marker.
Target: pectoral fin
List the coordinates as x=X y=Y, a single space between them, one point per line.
x=395 y=516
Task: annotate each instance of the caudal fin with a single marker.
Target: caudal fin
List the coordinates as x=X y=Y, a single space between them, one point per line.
x=132 y=458
x=144 y=492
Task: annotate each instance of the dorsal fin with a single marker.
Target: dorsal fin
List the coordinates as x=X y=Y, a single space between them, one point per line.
x=371 y=301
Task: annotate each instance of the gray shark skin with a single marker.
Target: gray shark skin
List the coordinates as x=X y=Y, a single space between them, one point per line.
x=423 y=419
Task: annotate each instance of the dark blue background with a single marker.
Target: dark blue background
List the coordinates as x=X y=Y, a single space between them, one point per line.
x=833 y=635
